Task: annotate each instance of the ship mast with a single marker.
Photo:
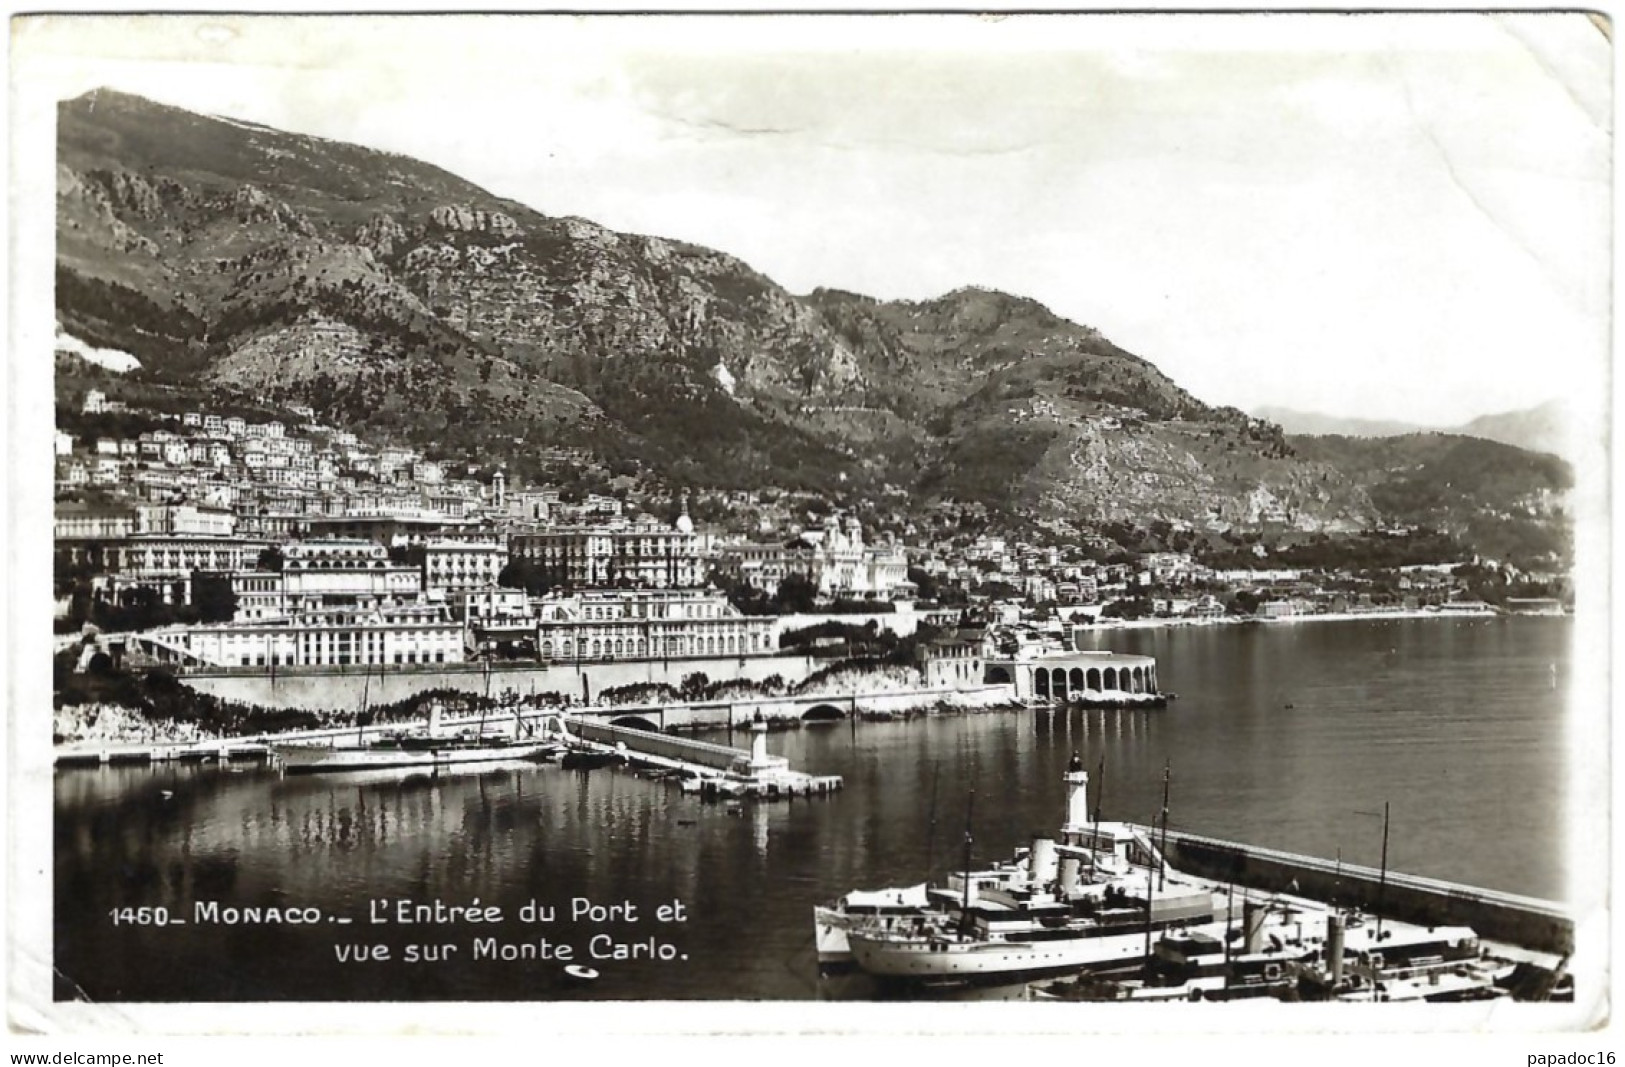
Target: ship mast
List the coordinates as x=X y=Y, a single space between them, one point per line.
x=964 y=911
x=1162 y=847
x=931 y=833
x=1149 y=893
x=361 y=716
x=486 y=701
x=1382 y=880
x=1094 y=844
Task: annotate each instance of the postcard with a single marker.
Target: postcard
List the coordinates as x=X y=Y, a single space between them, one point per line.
x=811 y=523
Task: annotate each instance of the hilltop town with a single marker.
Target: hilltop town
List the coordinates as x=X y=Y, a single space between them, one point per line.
x=231 y=541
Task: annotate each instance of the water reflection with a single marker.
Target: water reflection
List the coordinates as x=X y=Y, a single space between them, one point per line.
x=1455 y=726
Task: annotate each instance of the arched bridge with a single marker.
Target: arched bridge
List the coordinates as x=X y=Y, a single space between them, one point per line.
x=814 y=708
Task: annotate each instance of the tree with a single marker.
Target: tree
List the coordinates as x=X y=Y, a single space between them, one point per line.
x=1136 y=608
x=694 y=686
x=213 y=597
x=797 y=595
x=527 y=575
x=1244 y=602
x=270 y=558
x=925 y=583
x=746 y=598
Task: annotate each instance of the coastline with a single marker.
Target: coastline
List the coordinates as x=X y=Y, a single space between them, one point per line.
x=1347 y=616
x=103 y=723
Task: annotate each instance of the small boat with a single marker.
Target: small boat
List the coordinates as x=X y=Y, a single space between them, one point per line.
x=883 y=907
x=577 y=971
x=419 y=752
x=586 y=759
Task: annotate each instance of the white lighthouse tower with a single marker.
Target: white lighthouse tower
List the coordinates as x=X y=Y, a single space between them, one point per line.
x=1077 y=820
x=1077 y=797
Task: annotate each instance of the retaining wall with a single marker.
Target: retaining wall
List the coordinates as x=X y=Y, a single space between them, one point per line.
x=344 y=688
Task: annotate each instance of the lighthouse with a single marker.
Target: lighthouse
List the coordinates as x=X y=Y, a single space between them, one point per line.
x=758 y=742
x=1077 y=818
x=1077 y=796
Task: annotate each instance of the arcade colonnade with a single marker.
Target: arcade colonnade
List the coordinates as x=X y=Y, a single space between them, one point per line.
x=1076 y=676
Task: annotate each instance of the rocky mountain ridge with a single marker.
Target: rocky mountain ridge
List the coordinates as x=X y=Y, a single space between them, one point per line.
x=394 y=297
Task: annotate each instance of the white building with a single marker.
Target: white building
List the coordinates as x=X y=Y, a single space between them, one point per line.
x=643 y=554
x=393 y=636
x=648 y=624
x=343 y=573
x=167 y=562
x=459 y=566
x=496 y=606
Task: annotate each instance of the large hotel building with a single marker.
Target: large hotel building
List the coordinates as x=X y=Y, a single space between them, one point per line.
x=336 y=602
x=643 y=553
x=648 y=624
x=394 y=635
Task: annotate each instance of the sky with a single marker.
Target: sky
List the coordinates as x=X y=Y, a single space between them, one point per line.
x=1379 y=216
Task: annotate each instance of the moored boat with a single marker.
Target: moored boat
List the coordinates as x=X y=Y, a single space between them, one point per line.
x=406 y=753
x=1038 y=937
x=423 y=748
x=588 y=759
x=1090 y=901
x=885 y=908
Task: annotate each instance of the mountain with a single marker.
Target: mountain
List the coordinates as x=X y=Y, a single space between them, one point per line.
x=1294 y=421
x=1547 y=428
x=1506 y=502
x=403 y=301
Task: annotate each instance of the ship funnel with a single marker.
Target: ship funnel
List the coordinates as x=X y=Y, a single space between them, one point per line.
x=1069 y=874
x=1334 y=948
x=1041 y=861
x=1252 y=925
x=434 y=716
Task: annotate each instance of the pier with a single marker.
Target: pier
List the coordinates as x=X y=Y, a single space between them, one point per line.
x=1523 y=921
x=714 y=769
x=93 y=754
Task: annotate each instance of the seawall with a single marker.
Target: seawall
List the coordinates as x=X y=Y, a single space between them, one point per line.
x=1536 y=924
x=344 y=688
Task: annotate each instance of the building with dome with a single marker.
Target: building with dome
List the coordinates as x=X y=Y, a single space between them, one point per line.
x=834 y=557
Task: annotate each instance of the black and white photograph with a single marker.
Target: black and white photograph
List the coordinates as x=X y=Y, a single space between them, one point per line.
x=833 y=521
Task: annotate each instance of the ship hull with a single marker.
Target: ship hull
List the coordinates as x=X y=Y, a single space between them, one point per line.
x=310 y=759
x=927 y=961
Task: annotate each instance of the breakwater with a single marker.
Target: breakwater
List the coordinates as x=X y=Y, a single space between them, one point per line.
x=1524 y=921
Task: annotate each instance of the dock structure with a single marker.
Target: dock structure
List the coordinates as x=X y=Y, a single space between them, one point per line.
x=1524 y=921
x=206 y=751
x=712 y=768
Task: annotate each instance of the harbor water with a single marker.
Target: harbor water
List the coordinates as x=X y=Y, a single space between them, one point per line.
x=1290 y=737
